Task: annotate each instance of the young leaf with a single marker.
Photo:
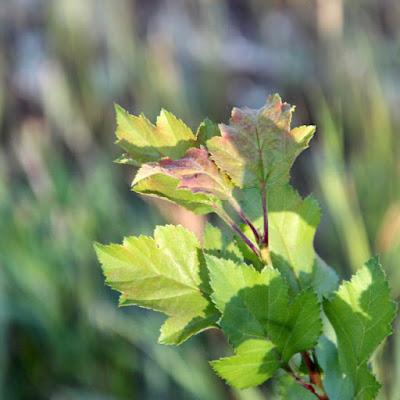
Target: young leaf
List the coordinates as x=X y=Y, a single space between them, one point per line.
x=144 y=142
x=162 y=274
x=195 y=174
x=361 y=312
x=156 y=184
x=256 y=305
x=206 y=130
x=255 y=361
x=258 y=147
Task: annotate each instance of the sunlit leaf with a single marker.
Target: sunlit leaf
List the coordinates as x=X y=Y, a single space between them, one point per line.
x=161 y=273
x=258 y=147
x=361 y=312
x=144 y=142
x=255 y=361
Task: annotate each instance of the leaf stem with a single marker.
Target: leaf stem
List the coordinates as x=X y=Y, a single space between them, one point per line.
x=231 y=223
x=303 y=383
x=314 y=373
x=236 y=206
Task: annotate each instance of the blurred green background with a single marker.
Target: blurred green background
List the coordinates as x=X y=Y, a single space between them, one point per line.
x=62 y=65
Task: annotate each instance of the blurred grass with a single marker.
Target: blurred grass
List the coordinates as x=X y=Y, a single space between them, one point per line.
x=63 y=64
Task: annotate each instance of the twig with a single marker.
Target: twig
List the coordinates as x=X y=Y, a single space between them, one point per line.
x=314 y=373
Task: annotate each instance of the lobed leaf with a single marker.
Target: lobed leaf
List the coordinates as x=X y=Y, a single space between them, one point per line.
x=361 y=312
x=258 y=147
x=144 y=142
x=256 y=305
x=162 y=273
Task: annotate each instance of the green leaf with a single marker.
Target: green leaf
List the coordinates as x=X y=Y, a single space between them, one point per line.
x=258 y=147
x=301 y=327
x=247 y=299
x=361 y=312
x=144 y=142
x=256 y=305
x=255 y=361
x=207 y=129
x=162 y=274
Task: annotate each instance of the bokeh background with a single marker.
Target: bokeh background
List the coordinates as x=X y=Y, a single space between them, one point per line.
x=62 y=65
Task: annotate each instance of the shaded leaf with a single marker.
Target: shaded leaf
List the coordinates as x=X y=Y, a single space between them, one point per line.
x=324 y=279
x=221 y=244
x=336 y=383
x=256 y=305
x=161 y=273
x=301 y=327
x=258 y=147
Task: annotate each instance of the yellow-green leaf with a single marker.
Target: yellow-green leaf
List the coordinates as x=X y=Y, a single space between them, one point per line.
x=255 y=361
x=144 y=142
x=162 y=273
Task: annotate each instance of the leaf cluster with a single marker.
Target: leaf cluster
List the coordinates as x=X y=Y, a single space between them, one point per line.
x=262 y=284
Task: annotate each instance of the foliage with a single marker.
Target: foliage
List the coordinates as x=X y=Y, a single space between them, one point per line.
x=264 y=287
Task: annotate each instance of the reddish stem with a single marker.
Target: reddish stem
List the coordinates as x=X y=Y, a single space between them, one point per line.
x=314 y=374
x=251 y=226
x=236 y=206
x=229 y=221
x=246 y=239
